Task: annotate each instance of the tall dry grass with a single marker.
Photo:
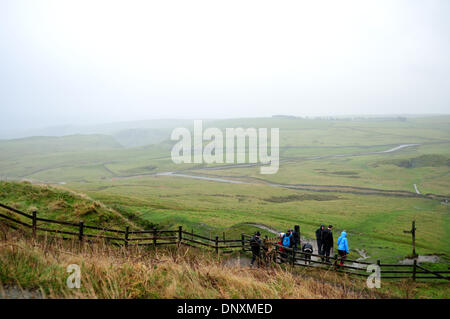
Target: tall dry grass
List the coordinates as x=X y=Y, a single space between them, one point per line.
x=112 y=272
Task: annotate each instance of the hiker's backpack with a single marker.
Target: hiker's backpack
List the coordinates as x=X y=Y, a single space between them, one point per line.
x=254 y=242
x=286 y=241
x=308 y=248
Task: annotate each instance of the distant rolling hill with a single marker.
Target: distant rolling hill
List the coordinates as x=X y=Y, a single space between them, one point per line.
x=128 y=134
x=56 y=144
x=141 y=137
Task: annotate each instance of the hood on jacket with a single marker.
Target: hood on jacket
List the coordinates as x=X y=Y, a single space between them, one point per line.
x=343 y=234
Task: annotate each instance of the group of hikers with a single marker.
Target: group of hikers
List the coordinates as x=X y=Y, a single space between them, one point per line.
x=291 y=240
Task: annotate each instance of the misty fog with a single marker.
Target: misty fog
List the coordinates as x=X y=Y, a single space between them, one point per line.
x=87 y=62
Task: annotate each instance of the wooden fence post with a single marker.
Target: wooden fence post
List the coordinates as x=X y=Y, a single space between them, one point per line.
x=80 y=233
x=127 y=231
x=243 y=240
x=414 y=269
x=217 y=244
x=335 y=260
x=413 y=230
x=180 y=234
x=413 y=233
x=154 y=236
x=34 y=223
x=293 y=257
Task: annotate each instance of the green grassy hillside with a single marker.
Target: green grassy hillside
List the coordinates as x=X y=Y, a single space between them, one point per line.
x=336 y=162
x=59 y=204
x=373 y=223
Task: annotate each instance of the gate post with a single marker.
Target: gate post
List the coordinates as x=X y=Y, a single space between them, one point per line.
x=34 y=223
x=413 y=234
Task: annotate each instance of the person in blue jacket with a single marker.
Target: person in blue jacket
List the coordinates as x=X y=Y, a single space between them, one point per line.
x=342 y=243
x=287 y=239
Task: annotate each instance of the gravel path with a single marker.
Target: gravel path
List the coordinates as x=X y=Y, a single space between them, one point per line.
x=15 y=292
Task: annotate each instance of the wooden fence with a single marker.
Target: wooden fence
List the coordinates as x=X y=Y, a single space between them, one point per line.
x=297 y=258
x=126 y=237
x=279 y=254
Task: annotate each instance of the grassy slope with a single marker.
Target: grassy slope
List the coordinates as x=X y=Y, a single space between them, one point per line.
x=211 y=209
x=108 y=272
x=58 y=204
x=374 y=223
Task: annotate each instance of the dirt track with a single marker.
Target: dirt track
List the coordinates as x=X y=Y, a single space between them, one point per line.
x=307 y=187
x=15 y=292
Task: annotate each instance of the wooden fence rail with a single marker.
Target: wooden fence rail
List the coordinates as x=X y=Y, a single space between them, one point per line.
x=359 y=268
x=130 y=237
x=157 y=237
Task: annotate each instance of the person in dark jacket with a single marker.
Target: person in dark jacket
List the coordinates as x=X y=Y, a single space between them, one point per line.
x=319 y=236
x=327 y=239
x=255 y=245
x=307 y=250
x=295 y=242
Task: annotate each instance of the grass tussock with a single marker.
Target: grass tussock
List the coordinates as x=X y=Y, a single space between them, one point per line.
x=111 y=272
x=61 y=204
x=40 y=265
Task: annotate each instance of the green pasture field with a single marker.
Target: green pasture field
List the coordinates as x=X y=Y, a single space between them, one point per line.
x=374 y=223
x=374 y=171
x=123 y=178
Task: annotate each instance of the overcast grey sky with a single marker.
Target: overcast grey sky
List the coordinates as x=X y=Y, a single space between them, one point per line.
x=101 y=61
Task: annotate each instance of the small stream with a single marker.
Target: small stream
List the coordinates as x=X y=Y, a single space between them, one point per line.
x=422 y=259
